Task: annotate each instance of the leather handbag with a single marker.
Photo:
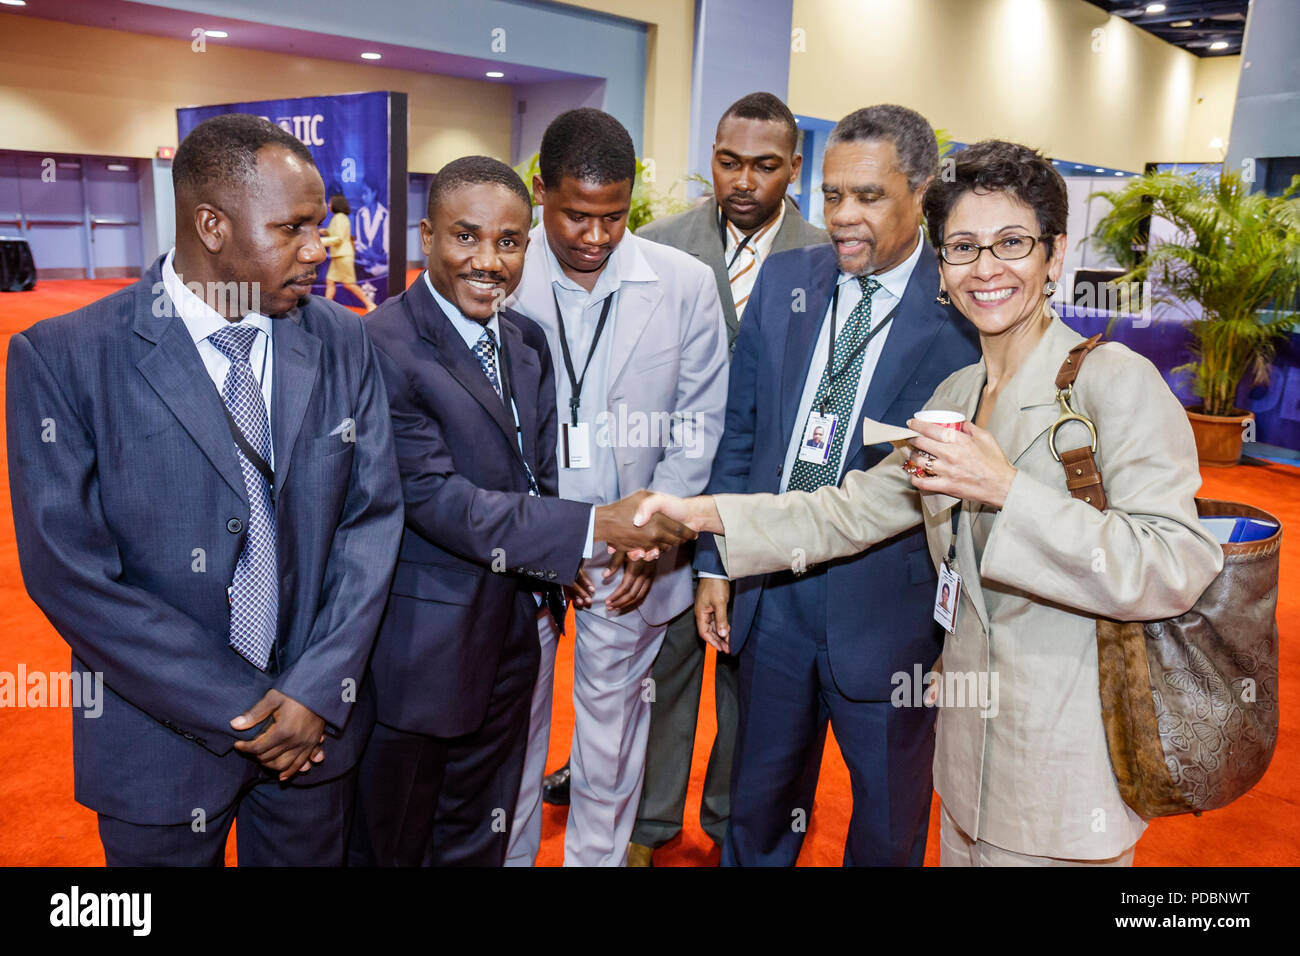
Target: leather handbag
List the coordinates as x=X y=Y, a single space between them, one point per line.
x=1190 y=703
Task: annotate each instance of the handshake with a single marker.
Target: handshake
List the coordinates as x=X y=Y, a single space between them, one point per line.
x=616 y=526
x=645 y=524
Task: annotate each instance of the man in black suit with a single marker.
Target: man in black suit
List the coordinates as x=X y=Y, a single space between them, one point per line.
x=207 y=509
x=486 y=545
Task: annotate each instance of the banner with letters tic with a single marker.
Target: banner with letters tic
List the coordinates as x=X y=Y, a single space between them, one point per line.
x=359 y=143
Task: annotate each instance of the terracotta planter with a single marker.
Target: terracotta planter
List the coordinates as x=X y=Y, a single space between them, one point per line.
x=1218 y=437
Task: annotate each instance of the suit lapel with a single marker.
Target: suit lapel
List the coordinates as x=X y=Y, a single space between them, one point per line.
x=907 y=343
x=525 y=378
x=801 y=337
x=634 y=306
x=704 y=241
x=177 y=374
x=1030 y=408
x=455 y=355
x=296 y=362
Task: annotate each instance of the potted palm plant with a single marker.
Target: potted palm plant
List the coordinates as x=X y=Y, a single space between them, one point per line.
x=1236 y=254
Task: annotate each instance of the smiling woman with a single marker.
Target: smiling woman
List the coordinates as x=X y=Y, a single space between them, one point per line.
x=1025 y=779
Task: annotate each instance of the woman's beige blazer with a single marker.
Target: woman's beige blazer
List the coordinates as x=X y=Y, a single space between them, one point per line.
x=1021 y=758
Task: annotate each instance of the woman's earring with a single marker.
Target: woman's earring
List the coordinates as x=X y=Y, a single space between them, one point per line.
x=942 y=297
x=1049 y=290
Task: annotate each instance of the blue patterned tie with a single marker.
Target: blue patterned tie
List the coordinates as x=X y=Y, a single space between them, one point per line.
x=839 y=395
x=485 y=349
x=255 y=591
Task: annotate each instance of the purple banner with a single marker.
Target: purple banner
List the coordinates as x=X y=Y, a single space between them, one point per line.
x=350 y=138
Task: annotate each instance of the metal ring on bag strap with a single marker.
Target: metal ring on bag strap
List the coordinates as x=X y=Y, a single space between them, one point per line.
x=1068 y=414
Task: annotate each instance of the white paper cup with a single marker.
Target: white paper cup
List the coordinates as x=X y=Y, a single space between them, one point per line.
x=938 y=416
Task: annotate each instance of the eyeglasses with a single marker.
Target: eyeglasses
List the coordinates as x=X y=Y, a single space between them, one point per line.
x=963 y=252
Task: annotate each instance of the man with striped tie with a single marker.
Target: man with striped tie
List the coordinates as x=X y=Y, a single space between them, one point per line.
x=487 y=545
x=834 y=334
x=208 y=510
x=748 y=218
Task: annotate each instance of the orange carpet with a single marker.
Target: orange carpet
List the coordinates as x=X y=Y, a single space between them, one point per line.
x=40 y=824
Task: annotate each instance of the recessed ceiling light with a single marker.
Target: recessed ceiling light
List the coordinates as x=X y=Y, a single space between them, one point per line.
x=14 y=3
x=494 y=74
x=119 y=168
x=372 y=56
x=1181 y=23
x=216 y=34
x=1155 y=8
x=1118 y=173
x=1100 y=170
x=1219 y=45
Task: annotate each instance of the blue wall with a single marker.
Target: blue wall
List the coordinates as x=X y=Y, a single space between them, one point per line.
x=741 y=46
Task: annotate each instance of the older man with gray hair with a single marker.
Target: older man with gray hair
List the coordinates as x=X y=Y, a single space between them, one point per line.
x=845 y=332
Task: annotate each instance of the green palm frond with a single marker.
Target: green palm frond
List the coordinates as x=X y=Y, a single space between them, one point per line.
x=1235 y=252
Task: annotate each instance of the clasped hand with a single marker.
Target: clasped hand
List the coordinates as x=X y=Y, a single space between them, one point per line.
x=290 y=743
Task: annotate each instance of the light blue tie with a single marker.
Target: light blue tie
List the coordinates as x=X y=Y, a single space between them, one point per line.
x=255 y=591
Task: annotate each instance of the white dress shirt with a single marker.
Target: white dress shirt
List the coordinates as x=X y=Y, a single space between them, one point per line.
x=201 y=320
x=892 y=286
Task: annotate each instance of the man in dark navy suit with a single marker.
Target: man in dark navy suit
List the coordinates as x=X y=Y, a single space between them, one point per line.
x=487 y=545
x=848 y=331
x=208 y=510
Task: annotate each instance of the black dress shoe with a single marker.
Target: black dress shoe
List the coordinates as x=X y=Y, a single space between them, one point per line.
x=555 y=787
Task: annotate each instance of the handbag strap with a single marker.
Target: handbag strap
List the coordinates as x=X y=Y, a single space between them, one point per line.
x=1082 y=476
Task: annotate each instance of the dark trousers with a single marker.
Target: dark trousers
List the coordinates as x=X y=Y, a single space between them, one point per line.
x=787 y=697
x=678 y=674
x=278 y=826
x=449 y=801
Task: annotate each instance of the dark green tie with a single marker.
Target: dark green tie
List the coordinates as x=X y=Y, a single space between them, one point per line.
x=837 y=396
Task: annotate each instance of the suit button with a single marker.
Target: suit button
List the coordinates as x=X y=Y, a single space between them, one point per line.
x=779 y=468
x=234 y=526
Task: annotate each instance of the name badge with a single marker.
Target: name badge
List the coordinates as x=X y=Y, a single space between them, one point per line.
x=946 y=597
x=575 y=445
x=816 y=445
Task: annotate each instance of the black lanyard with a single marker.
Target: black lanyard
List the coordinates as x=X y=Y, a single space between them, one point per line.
x=740 y=246
x=952 y=548
x=831 y=374
x=575 y=383
x=505 y=373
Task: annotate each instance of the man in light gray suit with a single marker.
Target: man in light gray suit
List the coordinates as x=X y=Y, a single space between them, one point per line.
x=640 y=349
x=749 y=217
